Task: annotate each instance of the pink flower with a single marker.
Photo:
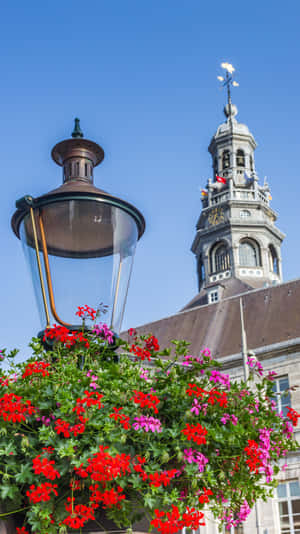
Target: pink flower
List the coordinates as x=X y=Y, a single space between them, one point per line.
x=189 y=359
x=144 y=374
x=206 y=352
x=225 y=418
x=234 y=419
x=243 y=513
x=103 y=331
x=147 y=423
x=196 y=407
x=255 y=365
x=220 y=378
x=191 y=455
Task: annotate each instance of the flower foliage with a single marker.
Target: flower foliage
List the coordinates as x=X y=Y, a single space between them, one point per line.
x=86 y=435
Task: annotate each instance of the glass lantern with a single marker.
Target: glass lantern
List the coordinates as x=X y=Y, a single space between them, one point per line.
x=79 y=241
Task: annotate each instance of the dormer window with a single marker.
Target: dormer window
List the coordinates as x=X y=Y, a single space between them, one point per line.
x=226 y=159
x=213 y=297
x=240 y=158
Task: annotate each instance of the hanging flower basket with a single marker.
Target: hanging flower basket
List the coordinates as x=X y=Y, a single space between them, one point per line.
x=156 y=434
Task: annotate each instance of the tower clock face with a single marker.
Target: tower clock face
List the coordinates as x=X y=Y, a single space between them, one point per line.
x=216 y=216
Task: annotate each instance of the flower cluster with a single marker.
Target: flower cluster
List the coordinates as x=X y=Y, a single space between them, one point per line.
x=13 y=409
x=171 y=522
x=93 y=431
x=162 y=479
x=65 y=336
x=140 y=352
x=85 y=312
x=64 y=428
x=229 y=417
x=104 y=332
x=145 y=422
x=220 y=378
x=92 y=398
x=122 y=418
x=36 y=368
x=108 y=498
x=191 y=455
x=195 y=433
x=41 y=493
x=45 y=467
x=293 y=415
x=103 y=467
x=146 y=400
x=151 y=343
x=79 y=514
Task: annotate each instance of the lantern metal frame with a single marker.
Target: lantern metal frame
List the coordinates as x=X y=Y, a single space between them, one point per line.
x=27 y=205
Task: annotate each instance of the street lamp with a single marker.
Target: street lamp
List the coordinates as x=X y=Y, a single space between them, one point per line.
x=79 y=241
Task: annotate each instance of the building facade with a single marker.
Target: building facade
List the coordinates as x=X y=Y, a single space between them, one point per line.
x=238 y=256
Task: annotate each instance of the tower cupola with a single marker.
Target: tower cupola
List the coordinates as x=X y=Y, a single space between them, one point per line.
x=237 y=242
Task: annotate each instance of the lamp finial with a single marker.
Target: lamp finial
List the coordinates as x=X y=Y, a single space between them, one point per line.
x=77 y=130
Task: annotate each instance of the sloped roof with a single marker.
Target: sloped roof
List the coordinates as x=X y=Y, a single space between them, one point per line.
x=231 y=287
x=271 y=315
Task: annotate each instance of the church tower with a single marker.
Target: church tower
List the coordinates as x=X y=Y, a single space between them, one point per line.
x=237 y=245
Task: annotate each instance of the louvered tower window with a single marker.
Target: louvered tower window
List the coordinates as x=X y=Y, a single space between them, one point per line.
x=240 y=158
x=226 y=159
x=220 y=258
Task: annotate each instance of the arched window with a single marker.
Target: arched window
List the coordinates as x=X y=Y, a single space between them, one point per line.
x=240 y=158
x=216 y=165
x=251 y=164
x=201 y=272
x=226 y=159
x=249 y=254
x=273 y=259
x=219 y=258
x=244 y=214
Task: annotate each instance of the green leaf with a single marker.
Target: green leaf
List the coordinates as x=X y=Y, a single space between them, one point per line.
x=25 y=475
x=150 y=501
x=8 y=491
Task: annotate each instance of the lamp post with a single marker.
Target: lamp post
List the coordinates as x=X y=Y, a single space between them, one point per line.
x=79 y=240
x=245 y=355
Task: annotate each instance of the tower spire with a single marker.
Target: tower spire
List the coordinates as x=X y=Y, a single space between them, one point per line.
x=229 y=110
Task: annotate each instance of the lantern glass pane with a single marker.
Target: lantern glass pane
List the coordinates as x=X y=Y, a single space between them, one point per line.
x=90 y=247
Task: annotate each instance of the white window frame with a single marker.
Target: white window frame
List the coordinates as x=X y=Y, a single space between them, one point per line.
x=281 y=401
x=213 y=296
x=289 y=498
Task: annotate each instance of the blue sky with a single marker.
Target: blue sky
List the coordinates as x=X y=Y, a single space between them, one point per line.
x=142 y=78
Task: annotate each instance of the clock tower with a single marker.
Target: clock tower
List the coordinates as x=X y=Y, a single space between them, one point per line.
x=237 y=245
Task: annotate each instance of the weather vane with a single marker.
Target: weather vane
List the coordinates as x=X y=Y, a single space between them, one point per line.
x=228 y=81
